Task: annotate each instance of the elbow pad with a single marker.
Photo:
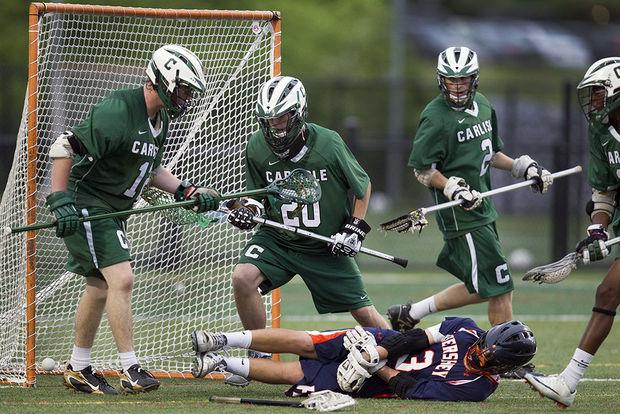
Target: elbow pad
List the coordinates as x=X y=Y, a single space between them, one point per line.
x=400 y=383
x=425 y=176
x=408 y=342
x=602 y=202
x=65 y=146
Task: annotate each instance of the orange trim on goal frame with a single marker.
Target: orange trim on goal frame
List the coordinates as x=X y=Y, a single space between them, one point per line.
x=35 y=11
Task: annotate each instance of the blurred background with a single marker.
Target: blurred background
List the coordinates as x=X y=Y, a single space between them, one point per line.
x=369 y=69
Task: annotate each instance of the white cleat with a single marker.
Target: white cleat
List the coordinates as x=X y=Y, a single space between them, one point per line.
x=553 y=387
x=204 y=341
x=205 y=363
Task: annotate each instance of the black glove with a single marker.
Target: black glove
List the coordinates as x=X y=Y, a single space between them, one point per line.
x=348 y=241
x=61 y=204
x=207 y=199
x=400 y=383
x=241 y=217
x=593 y=247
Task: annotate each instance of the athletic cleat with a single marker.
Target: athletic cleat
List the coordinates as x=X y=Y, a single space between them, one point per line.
x=204 y=341
x=136 y=380
x=235 y=380
x=260 y=355
x=520 y=372
x=553 y=387
x=207 y=362
x=87 y=381
x=400 y=318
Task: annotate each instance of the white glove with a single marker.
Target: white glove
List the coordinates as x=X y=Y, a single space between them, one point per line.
x=351 y=375
x=593 y=247
x=358 y=340
x=525 y=167
x=457 y=189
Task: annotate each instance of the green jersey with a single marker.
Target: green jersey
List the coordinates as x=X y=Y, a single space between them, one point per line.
x=604 y=166
x=458 y=143
x=121 y=149
x=328 y=158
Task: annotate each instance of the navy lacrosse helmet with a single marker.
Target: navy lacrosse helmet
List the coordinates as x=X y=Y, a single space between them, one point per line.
x=502 y=348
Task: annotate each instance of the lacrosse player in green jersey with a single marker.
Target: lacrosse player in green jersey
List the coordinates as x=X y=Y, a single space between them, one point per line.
x=101 y=166
x=284 y=142
x=455 y=145
x=599 y=97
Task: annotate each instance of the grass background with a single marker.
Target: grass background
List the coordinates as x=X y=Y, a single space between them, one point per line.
x=556 y=313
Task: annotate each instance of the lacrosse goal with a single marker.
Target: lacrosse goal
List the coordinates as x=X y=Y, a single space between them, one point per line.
x=77 y=55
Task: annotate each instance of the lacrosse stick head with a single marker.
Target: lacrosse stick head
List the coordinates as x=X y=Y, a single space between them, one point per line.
x=179 y=215
x=299 y=186
x=414 y=221
x=327 y=401
x=554 y=272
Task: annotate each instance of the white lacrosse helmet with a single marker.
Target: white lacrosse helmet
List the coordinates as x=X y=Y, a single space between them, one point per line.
x=458 y=62
x=600 y=88
x=279 y=96
x=177 y=74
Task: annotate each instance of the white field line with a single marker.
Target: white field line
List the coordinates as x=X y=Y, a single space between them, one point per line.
x=348 y=318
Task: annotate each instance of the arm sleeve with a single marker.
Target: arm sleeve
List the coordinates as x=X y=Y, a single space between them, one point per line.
x=353 y=172
x=477 y=390
x=429 y=147
x=103 y=131
x=497 y=142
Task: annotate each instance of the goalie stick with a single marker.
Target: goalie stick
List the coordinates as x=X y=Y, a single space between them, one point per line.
x=321 y=401
x=557 y=271
x=299 y=186
x=417 y=218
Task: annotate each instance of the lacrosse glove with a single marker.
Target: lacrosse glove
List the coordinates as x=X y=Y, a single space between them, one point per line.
x=207 y=199
x=457 y=189
x=348 y=241
x=593 y=247
x=61 y=204
x=526 y=167
x=243 y=211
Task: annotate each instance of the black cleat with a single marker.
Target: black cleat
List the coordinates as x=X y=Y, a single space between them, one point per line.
x=400 y=318
x=520 y=372
x=87 y=381
x=136 y=380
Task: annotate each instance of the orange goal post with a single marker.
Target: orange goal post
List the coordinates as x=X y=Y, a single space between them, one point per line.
x=78 y=54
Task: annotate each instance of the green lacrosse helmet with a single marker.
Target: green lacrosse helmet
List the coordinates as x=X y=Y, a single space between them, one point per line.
x=277 y=97
x=177 y=75
x=458 y=62
x=599 y=90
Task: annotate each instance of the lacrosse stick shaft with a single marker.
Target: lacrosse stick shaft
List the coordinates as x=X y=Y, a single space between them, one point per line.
x=122 y=213
x=511 y=187
x=255 y=401
x=399 y=261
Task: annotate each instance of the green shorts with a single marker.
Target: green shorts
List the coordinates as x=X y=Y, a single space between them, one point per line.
x=335 y=282
x=476 y=258
x=97 y=244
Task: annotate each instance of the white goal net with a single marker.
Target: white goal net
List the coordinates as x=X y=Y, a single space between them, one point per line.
x=182 y=272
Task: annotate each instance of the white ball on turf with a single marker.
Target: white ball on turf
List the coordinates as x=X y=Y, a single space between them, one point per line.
x=520 y=259
x=48 y=364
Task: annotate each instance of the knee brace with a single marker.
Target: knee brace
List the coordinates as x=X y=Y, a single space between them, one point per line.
x=607 y=312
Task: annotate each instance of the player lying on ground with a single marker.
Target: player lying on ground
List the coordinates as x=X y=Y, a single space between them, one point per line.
x=452 y=361
x=599 y=96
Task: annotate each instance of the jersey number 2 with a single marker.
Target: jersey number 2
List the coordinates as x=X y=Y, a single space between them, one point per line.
x=307 y=220
x=487 y=147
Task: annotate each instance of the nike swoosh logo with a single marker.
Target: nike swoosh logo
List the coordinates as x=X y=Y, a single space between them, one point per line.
x=142 y=132
x=604 y=143
x=273 y=163
x=363 y=297
x=461 y=121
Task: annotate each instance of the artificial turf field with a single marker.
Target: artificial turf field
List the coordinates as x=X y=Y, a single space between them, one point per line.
x=556 y=313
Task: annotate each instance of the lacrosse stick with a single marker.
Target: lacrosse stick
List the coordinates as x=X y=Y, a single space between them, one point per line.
x=399 y=261
x=558 y=271
x=299 y=186
x=321 y=401
x=417 y=218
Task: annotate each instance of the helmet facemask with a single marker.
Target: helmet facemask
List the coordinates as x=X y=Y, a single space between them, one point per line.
x=179 y=101
x=459 y=92
x=599 y=91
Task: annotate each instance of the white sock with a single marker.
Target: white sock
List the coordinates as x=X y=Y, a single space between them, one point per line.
x=241 y=339
x=239 y=366
x=80 y=358
x=576 y=368
x=127 y=359
x=423 y=308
